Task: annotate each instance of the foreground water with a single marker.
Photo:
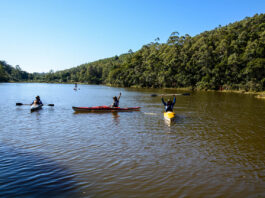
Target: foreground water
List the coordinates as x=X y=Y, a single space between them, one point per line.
x=215 y=148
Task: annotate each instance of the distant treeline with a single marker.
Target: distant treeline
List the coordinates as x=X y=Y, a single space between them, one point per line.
x=9 y=73
x=229 y=57
x=12 y=74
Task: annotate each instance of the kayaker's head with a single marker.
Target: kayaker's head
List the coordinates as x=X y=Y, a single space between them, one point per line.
x=169 y=102
x=37 y=97
x=114 y=98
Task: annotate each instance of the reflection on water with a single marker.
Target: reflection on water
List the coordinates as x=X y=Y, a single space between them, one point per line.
x=214 y=148
x=116 y=116
x=25 y=174
x=178 y=119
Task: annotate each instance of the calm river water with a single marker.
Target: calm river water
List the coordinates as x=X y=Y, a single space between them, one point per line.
x=215 y=148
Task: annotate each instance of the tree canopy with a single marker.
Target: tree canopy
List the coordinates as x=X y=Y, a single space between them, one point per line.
x=229 y=57
x=9 y=73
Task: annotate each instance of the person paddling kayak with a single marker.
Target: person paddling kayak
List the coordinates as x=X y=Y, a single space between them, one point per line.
x=116 y=101
x=37 y=101
x=169 y=105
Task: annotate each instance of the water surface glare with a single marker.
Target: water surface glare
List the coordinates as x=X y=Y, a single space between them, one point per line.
x=215 y=147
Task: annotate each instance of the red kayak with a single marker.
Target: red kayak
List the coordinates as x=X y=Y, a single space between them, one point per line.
x=104 y=109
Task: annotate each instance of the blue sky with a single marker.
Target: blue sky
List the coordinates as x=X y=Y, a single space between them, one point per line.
x=40 y=35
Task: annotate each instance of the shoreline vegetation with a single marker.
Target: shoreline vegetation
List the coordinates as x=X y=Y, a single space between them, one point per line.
x=258 y=94
x=227 y=59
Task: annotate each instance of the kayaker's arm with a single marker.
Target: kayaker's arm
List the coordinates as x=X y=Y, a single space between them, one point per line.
x=174 y=100
x=119 y=96
x=163 y=101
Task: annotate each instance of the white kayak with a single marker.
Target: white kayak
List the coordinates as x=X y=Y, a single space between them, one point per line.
x=35 y=107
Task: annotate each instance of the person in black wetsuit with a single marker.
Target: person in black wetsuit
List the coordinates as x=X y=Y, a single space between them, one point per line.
x=169 y=105
x=116 y=101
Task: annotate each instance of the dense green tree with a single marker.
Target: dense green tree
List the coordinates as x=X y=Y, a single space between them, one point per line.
x=3 y=77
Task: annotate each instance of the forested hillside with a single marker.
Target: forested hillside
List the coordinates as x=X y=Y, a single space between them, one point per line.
x=9 y=73
x=229 y=57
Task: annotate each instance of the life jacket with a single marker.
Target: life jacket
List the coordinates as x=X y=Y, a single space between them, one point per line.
x=115 y=103
x=169 y=107
x=37 y=102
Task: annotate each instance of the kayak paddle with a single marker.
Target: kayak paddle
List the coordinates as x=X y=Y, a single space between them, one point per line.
x=19 y=104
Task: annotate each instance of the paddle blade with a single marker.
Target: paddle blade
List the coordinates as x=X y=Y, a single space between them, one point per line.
x=51 y=105
x=18 y=104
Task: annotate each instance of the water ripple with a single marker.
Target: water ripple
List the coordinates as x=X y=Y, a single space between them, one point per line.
x=215 y=148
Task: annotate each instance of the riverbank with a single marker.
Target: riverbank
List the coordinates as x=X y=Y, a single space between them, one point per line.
x=257 y=94
x=260 y=95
